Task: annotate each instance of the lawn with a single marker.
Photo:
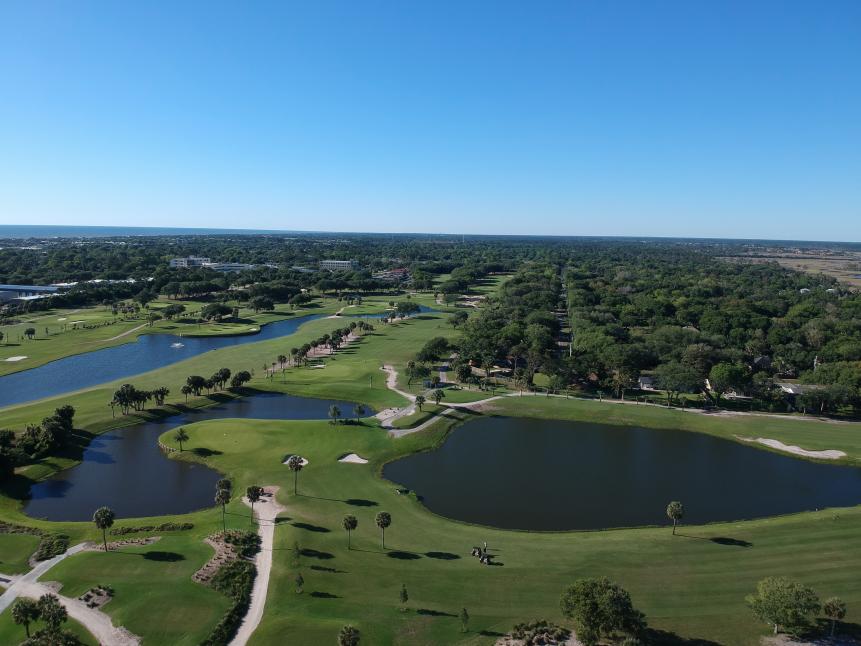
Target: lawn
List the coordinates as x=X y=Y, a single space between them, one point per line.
x=154 y=595
x=11 y=633
x=688 y=584
x=15 y=551
x=61 y=333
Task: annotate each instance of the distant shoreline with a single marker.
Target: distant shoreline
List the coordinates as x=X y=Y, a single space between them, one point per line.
x=51 y=231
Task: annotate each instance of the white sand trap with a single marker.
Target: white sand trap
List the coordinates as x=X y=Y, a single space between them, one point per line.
x=287 y=459
x=830 y=454
x=18 y=358
x=318 y=365
x=76 y=322
x=62 y=319
x=353 y=458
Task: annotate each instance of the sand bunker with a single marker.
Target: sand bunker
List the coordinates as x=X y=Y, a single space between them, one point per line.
x=830 y=454
x=352 y=458
x=18 y=358
x=62 y=319
x=304 y=461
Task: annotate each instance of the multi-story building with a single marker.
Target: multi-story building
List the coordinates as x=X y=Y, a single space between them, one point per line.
x=339 y=265
x=190 y=261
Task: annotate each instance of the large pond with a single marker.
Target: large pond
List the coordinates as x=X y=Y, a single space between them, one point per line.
x=126 y=471
x=555 y=475
x=149 y=352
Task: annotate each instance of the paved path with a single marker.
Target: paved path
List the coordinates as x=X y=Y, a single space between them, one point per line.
x=96 y=621
x=267 y=511
x=126 y=333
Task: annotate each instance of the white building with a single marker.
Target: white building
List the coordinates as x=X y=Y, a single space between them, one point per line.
x=190 y=261
x=339 y=265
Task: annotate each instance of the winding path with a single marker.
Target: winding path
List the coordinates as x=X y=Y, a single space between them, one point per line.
x=122 y=334
x=267 y=511
x=96 y=621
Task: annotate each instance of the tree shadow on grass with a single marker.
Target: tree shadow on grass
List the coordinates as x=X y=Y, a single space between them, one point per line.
x=203 y=452
x=312 y=528
x=317 y=554
x=724 y=540
x=433 y=613
x=330 y=570
x=403 y=556
x=719 y=540
x=324 y=595
x=666 y=638
x=491 y=633
x=359 y=502
x=164 y=557
x=442 y=556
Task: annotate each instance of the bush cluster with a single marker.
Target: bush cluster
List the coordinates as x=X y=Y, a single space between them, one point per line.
x=234 y=579
x=164 y=527
x=246 y=544
x=50 y=546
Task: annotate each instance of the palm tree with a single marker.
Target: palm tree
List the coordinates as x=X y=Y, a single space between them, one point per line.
x=383 y=520
x=334 y=413
x=253 y=494
x=834 y=608
x=437 y=395
x=295 y=464
x=350 y=523
x=358 y=411
x=180 y=436
x=52 y=612
x=420 y=400
x=186 y=390
x=104 y=519
x=405 y=596
x=675 y=512
x=24 y=612
x=349 y=636
x=222 y=497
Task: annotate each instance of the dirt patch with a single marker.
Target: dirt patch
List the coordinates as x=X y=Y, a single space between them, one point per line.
x=98 y=596
x=224 y=554
x=829 y=454
x=352 y=458
x=129 y=542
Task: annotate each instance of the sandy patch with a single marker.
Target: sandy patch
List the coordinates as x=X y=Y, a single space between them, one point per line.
x=18 y=358
x=62 y=319
x=318 y=365
x=353 y=458
x=829 y=454
x=76 y=322
x=287 y=459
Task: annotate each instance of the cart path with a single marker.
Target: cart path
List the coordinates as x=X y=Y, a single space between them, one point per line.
x=95 y=621
x=267 y=511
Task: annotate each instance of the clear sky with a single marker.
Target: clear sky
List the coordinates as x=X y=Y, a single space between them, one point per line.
x=688 y=118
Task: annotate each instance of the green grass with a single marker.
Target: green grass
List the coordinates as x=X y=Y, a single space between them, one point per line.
x=686 y=584
x=15 y=552
x=11 y=633
x=154 y=595
x=62 y=340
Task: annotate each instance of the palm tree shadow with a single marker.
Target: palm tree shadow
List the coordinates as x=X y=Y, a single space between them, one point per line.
x=666 y=638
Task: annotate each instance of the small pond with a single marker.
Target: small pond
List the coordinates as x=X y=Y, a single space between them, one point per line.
x=126 y=471
x=519 y=473
x=149 y=352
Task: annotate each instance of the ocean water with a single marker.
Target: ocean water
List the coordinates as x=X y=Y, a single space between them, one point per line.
x=25 y=231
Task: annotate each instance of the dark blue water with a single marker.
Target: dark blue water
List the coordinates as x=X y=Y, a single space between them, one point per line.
x=555 y=475
x=126 y=471
x=149 y=352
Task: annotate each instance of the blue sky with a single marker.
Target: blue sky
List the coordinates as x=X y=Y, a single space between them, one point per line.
x=689 y=118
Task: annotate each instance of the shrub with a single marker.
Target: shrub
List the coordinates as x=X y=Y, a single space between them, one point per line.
x=234 y=579
x=247 y=544
x=50 y=546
